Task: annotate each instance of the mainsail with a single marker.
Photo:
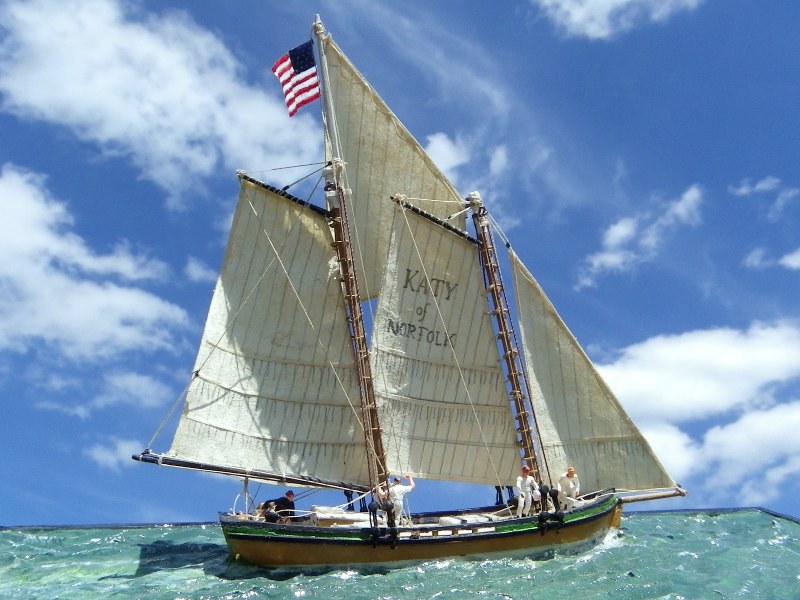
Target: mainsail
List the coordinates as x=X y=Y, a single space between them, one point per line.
x=382 y=159
x=580 y=420
x=273 y=388
x=441 y=395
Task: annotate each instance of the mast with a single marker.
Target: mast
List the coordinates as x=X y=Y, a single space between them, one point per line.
x=337 y=194
x=515 y=382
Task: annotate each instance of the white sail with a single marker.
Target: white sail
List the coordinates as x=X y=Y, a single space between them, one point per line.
x=382 y=159
x=274 y=388
x=441 y=395
x=580 y=421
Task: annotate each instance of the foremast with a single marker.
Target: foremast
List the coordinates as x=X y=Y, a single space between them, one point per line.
x=337 y=194
x=510 y=355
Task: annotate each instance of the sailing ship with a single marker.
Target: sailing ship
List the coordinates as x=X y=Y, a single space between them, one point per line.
x=454 y=383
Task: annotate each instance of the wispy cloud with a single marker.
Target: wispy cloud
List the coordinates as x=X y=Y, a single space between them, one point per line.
x=780 y=196
x=159 y=90
x=636 y=239
x=486 y=147
x=199 y=272
x=758 y=259
x=771 y=186
x=460 y=68
x=603 y=19
x=117 y=388
x=114 y=454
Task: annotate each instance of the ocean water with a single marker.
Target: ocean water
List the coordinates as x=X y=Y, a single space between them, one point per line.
x=668 y=555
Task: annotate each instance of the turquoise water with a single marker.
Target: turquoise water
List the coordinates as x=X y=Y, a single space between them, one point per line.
x=668 y=555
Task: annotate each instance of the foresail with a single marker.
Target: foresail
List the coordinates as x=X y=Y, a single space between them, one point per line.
x=274 y=387
x=441 y=394
x=382 y=159
x=580 y=421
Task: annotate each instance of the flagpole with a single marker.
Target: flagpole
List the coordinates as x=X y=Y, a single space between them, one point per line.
x=328 y=113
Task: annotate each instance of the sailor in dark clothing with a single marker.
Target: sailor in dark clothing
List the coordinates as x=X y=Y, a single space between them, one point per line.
x=284 y=505
x=270 y=514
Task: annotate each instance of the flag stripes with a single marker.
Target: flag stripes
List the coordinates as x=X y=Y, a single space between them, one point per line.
x=297 y=72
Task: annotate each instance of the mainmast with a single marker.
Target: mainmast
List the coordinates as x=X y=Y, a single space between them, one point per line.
x=337 y=196
x=516 y=382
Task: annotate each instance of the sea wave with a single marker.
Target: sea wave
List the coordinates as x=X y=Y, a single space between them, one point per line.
x=668 y=555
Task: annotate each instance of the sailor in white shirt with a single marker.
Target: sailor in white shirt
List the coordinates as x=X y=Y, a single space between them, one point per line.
x=527 y=491
x=569 y=487
x=398 y=491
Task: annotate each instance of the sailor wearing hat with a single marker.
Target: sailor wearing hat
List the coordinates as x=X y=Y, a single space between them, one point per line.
x=527 y=491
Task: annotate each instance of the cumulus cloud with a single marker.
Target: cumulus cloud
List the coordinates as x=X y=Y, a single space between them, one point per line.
x=55 y=290
x=707 y=373
x=676 y=449
x=745 y=381
x=602 y=19
x=756 y=455
x=159 y=90
x=637 y=239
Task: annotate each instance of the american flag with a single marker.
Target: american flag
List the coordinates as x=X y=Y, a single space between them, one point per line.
x=297 y=73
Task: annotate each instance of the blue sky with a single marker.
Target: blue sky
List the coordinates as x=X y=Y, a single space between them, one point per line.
x=640 y=154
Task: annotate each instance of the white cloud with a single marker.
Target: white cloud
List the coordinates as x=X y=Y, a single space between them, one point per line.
x=118 y=388
x=55 y=290
x=755 y=457
x=457 y=64
x=133 y=389
x=114 y=454
x=601 y=19
x=620 y=233
x=634 y=240
x=674 y=386
x=783 y=194
x=498 y=161
x=757 y=259
x=675 y=449
x=199 y=272
x=703 y=374
x=34 y=229
x=746 y=187
x=160 y=90
x=448 y=154
x=791 y=260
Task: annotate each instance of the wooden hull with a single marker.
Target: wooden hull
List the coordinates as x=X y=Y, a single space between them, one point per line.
x=301 y=546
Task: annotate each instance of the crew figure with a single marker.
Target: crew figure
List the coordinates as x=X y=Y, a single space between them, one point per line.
x=527 y=491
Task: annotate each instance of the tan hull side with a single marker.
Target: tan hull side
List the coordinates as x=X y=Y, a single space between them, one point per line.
x=281 y=553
